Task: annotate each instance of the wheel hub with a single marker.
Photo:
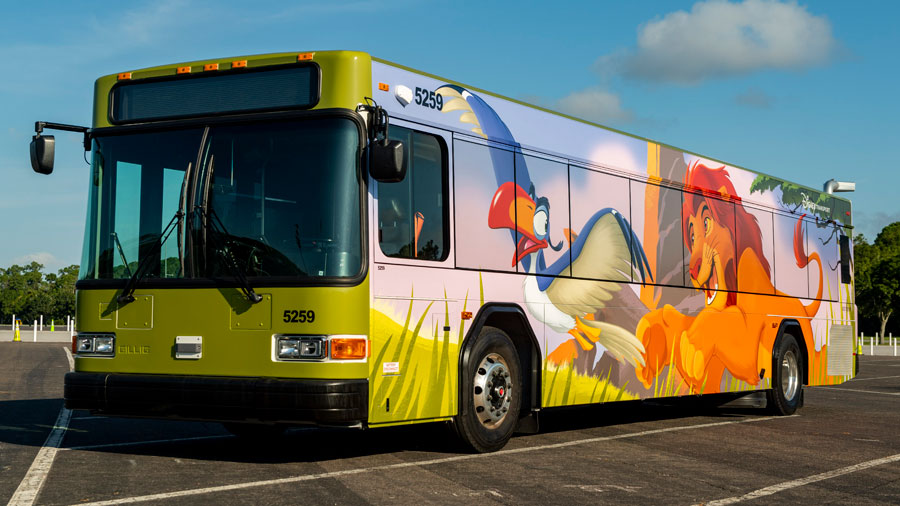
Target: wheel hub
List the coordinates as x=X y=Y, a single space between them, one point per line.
x=493 y=389
x=790 y=375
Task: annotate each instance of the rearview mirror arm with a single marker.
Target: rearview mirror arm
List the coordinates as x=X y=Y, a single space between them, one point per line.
x=39 y=127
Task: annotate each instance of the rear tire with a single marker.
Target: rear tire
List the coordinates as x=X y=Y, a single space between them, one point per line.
x=787 y=377
x=491 y=392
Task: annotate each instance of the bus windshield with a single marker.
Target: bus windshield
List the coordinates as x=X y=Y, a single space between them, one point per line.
x=274 y=200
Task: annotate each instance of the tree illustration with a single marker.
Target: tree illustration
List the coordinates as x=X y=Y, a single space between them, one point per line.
x=794 y=197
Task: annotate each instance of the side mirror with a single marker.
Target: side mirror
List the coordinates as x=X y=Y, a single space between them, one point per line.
x=42 y=153
x=386 y=163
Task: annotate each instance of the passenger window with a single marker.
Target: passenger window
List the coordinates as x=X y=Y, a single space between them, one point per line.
x=413 y=220
x=845 y=259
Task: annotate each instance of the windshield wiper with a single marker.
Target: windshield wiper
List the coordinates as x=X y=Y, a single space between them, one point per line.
x=127 y=294
x=223 y=251
x=115 y=237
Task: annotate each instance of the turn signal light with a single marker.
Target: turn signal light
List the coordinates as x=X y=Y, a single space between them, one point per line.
x=344 y=348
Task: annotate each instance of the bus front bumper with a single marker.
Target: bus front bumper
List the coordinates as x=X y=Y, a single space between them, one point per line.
x=268 y=400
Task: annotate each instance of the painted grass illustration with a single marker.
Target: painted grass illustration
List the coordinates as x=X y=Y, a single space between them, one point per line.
x=426 y=384
x=563 y=386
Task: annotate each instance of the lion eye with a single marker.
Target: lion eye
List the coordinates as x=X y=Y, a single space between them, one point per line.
x=706 y=226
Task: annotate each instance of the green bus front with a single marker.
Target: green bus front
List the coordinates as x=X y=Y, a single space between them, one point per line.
x=224 y=269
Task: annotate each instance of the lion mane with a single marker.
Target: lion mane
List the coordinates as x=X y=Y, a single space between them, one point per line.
x=714 y=186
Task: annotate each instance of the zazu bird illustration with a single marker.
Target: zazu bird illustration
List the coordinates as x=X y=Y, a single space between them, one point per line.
x=603 y=254
x=606 y=249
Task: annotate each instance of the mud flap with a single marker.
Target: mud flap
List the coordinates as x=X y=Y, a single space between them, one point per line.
x=528 y=424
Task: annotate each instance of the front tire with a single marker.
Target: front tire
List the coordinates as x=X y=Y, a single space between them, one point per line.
x=491 y=392
x=787 y=377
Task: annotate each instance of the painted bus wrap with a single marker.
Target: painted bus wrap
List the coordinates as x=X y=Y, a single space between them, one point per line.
x=673 y=328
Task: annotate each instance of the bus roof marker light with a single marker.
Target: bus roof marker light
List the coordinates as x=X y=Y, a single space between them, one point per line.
x=305 y=56
x=124 y=75
x=183 y=70
x=384 y=87
x=239 y=64
x=210 y=66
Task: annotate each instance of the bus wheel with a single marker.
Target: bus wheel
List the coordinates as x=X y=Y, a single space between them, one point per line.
x=787 y=384
x=492 y=393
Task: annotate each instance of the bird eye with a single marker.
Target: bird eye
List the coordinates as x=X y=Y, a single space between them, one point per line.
x=691 y=235
x=706 y=225
x=540 y=224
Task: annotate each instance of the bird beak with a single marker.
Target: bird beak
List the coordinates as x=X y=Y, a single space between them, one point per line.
x=513 y=208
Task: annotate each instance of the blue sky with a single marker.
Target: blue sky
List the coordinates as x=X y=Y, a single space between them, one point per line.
x=805 y=91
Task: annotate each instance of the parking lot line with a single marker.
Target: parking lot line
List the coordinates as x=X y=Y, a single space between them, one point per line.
x=137 y=443
x=774 y=489
x=421 y=463
x=854 y=380
x=31 y=484
x=857 y=390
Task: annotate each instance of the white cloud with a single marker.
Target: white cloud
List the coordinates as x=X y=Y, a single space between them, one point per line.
x=870 y=223
x=720 y=38
x=594 y=104
x=50 y=262
x=591 y=104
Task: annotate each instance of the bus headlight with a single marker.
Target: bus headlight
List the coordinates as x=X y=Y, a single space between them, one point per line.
x=84 y=344
x=104 y=345
x=94 y=344
x=302 y=347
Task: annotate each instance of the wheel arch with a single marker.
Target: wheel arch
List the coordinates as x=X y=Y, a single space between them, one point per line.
x=511 y=319
x=792 y=327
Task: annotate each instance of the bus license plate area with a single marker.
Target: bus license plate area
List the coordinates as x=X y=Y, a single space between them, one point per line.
x=189 y=347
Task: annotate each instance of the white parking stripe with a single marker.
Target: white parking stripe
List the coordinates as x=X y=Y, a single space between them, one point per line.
x=156 y=441
x=774 y=489
x=856 y=390
x=421 y=463
x=31 y=484
x=854 y=380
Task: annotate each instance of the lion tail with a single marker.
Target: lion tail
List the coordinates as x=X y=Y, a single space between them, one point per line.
x=802 y=261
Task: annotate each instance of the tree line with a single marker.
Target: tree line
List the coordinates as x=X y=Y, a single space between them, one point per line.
x=28 y=293
x=877 y=282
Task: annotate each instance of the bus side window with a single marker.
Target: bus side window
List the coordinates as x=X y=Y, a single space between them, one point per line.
x=413 y=220
x=845 y=259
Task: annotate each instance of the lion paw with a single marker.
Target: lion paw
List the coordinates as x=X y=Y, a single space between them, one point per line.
x=693 y=360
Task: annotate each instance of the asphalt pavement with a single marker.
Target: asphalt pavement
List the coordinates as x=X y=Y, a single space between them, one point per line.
x=842 y=447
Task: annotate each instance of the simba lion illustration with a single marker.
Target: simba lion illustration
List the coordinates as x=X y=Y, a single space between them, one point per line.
x=734 y=330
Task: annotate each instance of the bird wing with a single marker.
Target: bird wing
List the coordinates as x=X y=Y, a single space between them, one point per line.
x=605 y=257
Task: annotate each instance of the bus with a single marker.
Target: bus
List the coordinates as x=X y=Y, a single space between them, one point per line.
x=327 y=238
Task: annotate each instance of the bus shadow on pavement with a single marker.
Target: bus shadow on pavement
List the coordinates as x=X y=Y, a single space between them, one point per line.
x=27 y=421
x=209 y=442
